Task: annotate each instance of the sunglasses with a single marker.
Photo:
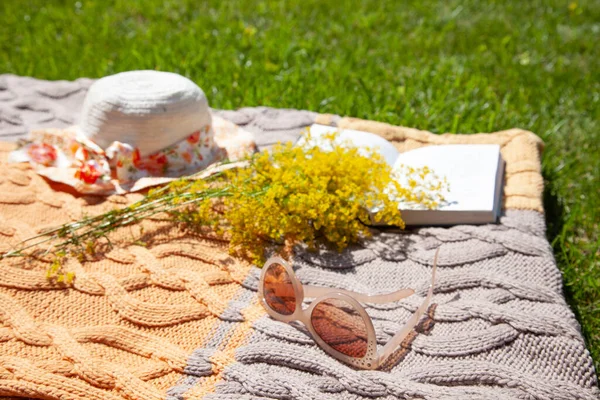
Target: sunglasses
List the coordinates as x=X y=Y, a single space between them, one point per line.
x=336 y=320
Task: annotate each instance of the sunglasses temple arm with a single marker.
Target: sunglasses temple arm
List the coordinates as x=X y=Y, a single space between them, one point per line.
x=317 y=291
x=399 y=337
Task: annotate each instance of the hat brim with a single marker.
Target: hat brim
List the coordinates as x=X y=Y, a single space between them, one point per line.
x=228 y=142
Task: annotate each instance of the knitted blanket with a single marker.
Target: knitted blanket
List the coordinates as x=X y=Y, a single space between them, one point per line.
x=176 y=317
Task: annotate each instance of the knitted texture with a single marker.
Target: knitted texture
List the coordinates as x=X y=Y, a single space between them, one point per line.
x=179 y=318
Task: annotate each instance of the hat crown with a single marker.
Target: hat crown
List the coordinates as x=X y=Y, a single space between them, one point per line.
x=149 y=110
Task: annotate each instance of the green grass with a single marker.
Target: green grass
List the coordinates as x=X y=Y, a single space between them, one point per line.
x=453 y=66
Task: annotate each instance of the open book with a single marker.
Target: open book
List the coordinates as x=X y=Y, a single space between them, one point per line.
x=475 y=173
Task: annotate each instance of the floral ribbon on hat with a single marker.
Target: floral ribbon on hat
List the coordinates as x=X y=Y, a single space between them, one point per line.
x=64 y=155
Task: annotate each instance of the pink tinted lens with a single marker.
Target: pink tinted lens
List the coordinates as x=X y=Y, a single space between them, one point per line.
x=340 y=325
x=278 y=290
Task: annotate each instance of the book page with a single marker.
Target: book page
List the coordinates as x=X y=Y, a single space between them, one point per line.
x=471 y=171
x=358 y=139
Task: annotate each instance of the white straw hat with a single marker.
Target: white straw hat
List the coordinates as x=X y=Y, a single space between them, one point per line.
x=137 y=129
x=149 y=110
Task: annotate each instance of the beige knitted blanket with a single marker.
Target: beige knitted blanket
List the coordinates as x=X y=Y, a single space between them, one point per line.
x=177 y=317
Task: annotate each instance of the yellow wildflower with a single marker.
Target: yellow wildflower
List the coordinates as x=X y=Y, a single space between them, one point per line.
x=308 y=195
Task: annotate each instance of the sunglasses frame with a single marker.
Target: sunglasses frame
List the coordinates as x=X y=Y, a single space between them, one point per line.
x=373 y=357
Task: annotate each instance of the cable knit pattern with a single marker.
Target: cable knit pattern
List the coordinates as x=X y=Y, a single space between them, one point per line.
x=178 y=318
